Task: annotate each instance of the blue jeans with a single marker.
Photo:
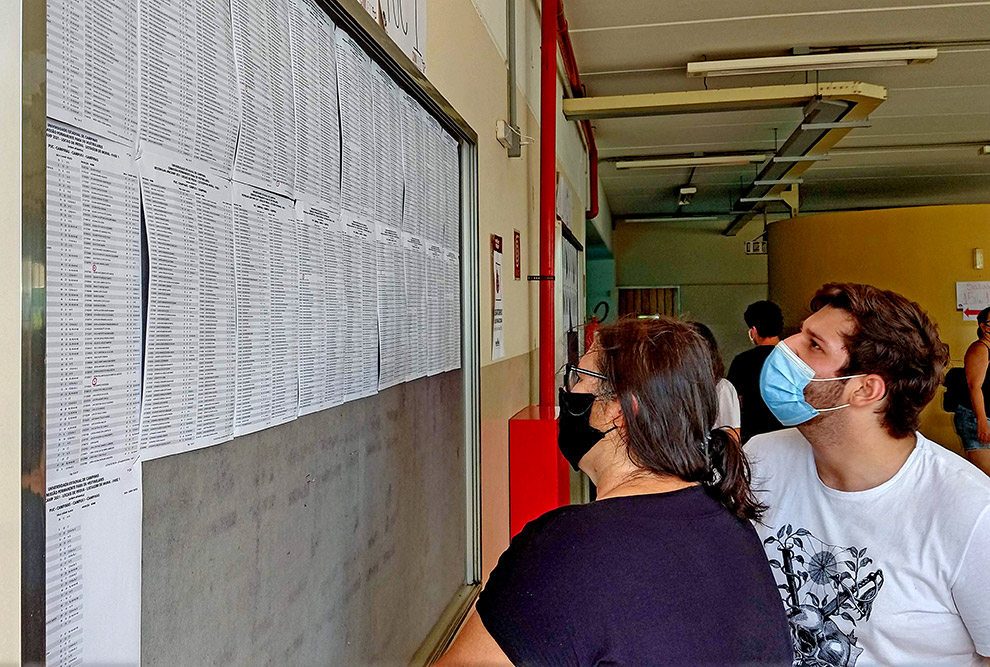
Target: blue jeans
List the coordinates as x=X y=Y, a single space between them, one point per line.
x=967 y=428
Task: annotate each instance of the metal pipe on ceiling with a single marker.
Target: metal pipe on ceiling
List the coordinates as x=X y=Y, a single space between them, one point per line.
x=574 y=79
x=515 y=139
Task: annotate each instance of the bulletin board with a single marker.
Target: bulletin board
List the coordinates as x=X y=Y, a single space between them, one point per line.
x=251 y=340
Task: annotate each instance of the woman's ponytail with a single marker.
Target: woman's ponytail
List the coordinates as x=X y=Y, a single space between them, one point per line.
x=728 y=481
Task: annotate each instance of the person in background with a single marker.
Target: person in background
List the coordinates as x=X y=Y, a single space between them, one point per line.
x=878 y=537
x=727 y=416
x=665 y=567
x=765 y=323
x=970 y=419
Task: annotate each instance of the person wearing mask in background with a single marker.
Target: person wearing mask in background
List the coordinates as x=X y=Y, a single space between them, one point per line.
x=765 y=323
x=664 y=568
x=727 y=417
x=970 y=419
x=878 y=537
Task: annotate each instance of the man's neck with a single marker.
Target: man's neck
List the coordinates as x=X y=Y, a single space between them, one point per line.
x=772 y=340
x=852 y=458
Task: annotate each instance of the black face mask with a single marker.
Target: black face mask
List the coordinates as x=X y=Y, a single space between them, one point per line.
x=576 y=436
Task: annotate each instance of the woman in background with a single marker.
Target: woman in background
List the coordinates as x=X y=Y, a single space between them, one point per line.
x=664 y=568
x=970 y=419
x=729 y=415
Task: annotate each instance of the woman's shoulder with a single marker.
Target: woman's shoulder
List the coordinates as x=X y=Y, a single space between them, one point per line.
x=978 y=348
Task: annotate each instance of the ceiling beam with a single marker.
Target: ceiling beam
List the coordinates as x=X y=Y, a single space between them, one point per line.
x=722 y=99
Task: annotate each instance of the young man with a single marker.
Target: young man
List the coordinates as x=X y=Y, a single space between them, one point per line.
x=765 y=323
x=878 y=537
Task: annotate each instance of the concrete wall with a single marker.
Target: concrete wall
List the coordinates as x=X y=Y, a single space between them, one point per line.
x=10 y=323
x=717 y=279
x=920 y=252
x=466 y=61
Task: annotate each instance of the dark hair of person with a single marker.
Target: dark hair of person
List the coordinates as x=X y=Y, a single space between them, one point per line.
x=766 y=317
x=718 y=366
x=892 y=337
x=660 y=371
x=982 y=319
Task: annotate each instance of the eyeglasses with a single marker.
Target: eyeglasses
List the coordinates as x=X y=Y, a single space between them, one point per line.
x=572 y=373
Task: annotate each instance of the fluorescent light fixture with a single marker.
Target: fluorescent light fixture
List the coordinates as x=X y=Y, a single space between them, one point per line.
x=675 y=162
x=984 y=150
x=815 y=61
x=674 y=218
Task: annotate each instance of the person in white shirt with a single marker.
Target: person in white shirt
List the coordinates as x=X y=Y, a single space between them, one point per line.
x=729 y=416
x=879 y=538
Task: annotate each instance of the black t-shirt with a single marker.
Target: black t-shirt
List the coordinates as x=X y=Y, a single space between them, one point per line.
x=744 y=374
x=659 y=579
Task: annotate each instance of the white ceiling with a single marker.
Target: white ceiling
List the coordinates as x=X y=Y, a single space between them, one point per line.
x=921 y=149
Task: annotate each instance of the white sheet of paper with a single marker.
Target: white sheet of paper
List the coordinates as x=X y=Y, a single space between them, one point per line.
x=392 y=310
x=266 y=147
x=264 y=232
x=452 y=239
x=452 y=292
x=93 y=284
x=314 y=85
x=360 y=311
x=92 y=52
x=393 y=353
x=188 y=103
x=93 y=567
x=407 y=27
x=498 y=344
x=413 y=242
x=190 y=339
x=354 y=81
x=972 y=297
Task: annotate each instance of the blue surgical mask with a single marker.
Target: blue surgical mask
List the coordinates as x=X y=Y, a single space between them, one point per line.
x=782 y=383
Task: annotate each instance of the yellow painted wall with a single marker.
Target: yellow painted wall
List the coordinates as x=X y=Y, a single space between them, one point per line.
x=920 y=252
x=10 y=345
x=466 y=61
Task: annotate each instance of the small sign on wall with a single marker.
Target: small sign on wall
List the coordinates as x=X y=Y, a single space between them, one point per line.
x=972 y=297
x=756 y=247
x=498 y=345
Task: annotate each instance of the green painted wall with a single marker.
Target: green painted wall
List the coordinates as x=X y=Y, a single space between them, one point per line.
x=717 y=279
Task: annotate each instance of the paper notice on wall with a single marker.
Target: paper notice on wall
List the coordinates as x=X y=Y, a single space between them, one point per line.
x=93 y=568
x=498 y=344
x=972 y=297
x=93 y=292
x=189 y=360
x=405 y=23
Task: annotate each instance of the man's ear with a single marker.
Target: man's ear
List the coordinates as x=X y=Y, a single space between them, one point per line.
x=872 y=388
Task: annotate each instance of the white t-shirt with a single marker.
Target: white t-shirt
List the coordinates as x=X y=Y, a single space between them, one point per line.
x=894 y=575
x=728 y=405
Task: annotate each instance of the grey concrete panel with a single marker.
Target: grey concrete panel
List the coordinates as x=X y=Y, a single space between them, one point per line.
x=335 y=539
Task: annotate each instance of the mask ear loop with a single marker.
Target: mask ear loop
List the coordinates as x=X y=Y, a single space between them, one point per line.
x=844 y=377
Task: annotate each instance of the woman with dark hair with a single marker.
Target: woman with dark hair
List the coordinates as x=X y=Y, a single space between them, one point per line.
x=664 y=568
x=970 y=419
x=728 y=416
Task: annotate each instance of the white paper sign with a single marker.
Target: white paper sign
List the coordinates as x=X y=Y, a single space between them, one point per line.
x=972 y=297
x=498 y=345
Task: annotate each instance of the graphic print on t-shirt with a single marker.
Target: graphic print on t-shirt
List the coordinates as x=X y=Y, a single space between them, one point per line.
x=828 y=590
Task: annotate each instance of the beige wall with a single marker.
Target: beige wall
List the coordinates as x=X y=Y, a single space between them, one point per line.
x=920 y=252
x=716 y=277
x=466 y=62
x=10 y=346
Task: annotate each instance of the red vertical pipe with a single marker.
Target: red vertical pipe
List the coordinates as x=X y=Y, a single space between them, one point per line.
x=548 y=182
